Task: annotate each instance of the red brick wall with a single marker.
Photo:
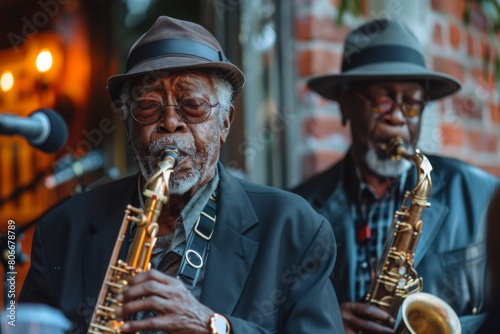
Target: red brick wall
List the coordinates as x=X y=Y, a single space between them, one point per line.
x=466 y=125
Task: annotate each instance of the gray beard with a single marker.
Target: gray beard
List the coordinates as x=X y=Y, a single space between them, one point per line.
x=149 y=165
x=385 y=166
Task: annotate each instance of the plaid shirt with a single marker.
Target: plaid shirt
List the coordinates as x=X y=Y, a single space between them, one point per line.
x=376 y=215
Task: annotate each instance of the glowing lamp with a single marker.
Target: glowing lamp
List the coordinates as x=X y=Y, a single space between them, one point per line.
x=6 y=81
x=44 y=61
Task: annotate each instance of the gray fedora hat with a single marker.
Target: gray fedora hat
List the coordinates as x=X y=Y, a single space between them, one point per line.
x=383 y=50
x=172 y=44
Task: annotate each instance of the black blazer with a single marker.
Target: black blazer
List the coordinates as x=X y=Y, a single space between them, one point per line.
x=451 y=252
x=267 y=270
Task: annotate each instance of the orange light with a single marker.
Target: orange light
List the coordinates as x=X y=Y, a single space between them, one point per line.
x=6 y=81
x=44 y=61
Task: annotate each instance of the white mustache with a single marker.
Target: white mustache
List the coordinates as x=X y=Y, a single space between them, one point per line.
x=157 y=146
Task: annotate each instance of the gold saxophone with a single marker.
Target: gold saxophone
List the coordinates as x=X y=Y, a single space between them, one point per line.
x=156 y=192
x=396 y=283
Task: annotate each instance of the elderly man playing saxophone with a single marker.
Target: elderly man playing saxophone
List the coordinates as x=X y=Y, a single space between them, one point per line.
x=264 y=265
x=382 y=92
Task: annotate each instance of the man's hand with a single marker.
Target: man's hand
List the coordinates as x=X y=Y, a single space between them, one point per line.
x=365 y=318
x=178 y=311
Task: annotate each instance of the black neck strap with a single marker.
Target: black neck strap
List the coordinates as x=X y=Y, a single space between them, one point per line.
x=171 y=47
x=196 y=252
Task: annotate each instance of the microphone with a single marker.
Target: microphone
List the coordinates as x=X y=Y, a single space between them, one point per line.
x=88 y=163
x=45 y=129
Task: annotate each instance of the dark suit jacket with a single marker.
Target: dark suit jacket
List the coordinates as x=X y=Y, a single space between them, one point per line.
x=451 y=252
x=267 y=270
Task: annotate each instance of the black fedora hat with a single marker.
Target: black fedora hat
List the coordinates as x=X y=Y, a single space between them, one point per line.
x=172 y=44
x=383 y=50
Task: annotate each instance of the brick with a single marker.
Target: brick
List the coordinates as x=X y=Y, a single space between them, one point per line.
x=318 y=61
x=449 y=7
x=495 y=113
x=437 y=34
x=303 y=28
x=477 y=18
x=324 y=126
x=365 y=5
x=449 y=66
x=471 y=45
x=484 y=49
x=483 y=142
x=484 y=80
x=454 y=36
x=452 y=135
x=311 y=99
x=467 y=107
x=318 y=161
x=320 y=28
x=493 y=169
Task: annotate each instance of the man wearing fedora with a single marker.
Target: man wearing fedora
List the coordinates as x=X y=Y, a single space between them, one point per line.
x=382 y=92
x=258 y=269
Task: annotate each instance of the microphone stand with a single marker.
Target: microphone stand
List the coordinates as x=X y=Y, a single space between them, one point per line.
x=18 y=257
x=19 y=190
x=10 y=249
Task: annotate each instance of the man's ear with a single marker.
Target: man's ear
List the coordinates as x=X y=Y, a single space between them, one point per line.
x=127 y=125
x=226 y=125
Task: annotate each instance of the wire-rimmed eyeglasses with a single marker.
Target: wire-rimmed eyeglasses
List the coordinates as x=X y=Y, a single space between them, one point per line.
x=384 y=104
x=191 y=110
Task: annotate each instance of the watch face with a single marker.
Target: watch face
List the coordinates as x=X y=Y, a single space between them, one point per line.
x=219 y=325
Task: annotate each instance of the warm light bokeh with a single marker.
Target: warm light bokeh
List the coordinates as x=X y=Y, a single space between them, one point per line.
x=44 y=61
x=7 y=81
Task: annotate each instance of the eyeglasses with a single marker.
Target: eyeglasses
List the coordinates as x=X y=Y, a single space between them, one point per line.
x=191 y=110
x=384 y=104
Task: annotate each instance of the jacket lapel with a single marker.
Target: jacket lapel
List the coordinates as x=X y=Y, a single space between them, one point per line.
x=432 y=217
x=229 y=248
x=336 y=206
x=343 y=275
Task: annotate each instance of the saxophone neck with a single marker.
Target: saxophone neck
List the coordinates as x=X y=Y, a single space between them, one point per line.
x=157 y=190
x=397 y=150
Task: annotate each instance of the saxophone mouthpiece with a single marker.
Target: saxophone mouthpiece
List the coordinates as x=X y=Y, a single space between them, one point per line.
x=170 y=152
x=396 y=148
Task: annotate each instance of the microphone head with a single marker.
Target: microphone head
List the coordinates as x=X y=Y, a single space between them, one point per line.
x=92 y=161
x=57 y=132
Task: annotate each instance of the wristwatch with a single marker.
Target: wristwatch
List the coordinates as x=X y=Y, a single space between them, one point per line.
x=219 y=324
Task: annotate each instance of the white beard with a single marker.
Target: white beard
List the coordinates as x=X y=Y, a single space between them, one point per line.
x=386 y=167
x=178 y=186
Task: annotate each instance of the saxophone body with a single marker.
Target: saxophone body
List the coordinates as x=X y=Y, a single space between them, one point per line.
x=396 y=283
x=156 y=192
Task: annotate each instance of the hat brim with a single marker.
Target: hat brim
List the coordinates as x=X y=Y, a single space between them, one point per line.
x=229 y=71
x=439 y=84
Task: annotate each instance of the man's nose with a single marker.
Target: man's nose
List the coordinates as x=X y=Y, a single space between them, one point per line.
x=171 y=120
x=395 y=116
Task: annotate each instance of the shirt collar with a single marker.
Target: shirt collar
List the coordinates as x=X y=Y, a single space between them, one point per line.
x=192 y=210
x=357 y=189
x=190 y=213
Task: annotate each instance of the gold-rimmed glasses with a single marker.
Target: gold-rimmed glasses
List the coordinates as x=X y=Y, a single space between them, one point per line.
x=191 y=110
x=384 y=104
